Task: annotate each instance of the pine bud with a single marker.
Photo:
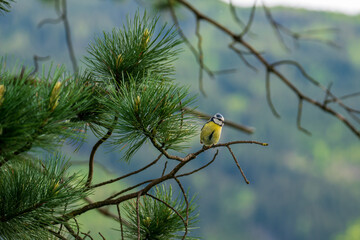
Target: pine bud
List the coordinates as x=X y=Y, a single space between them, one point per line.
x=147 y=221
x=137 y=102
x=54 y=97
x=119 y=60
x=2 y=93
x=145 y=39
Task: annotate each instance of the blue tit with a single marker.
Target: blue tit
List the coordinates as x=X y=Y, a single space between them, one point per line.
x=211 y=131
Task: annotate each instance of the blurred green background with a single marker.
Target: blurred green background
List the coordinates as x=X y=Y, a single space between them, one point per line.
x=302 y=187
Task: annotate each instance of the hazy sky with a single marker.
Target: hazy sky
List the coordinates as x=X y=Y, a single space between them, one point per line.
x=351 y=7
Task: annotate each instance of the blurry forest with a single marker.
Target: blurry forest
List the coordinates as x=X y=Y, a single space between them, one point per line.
x=301 y=186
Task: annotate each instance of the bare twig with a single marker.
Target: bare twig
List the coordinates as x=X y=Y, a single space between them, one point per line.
x=71 y=231
x=101 y=236
x=138 y=214
x=296 y=36
x=93 y=151
x=87 y=235
x=127 y=175
x=62 y=17
x=165 y=165
x=298 y=119
x=187 y=207
x=196 y=170
x=268 y=95
x=238 y=165
x=109 y=214
x=56 y=234
x=246 y=129
x=36 y=59
x=121 y=225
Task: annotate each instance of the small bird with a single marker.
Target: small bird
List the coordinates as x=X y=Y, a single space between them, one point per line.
x=211 y=131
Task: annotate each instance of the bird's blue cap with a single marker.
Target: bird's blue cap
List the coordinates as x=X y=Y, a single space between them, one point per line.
x=219 y=116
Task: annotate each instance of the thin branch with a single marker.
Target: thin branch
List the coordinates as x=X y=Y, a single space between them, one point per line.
x=107 y=213
x=201 y=55
x=121 y=225
x=235 y=16
x=242 y=57
x=169 y=206
x=186 y=40
x=101 y=236
x=298 y=119
x=36 y=59
x=197 y=170
x=138 y=214
x=56 y=234
x=93 y=151
x=248 y=25
x=187 y=207
x=127 y=175
x=71 y=231
x=87 y=235
x=62 y=17
x=238 y=165
x=129 y=188
x=246 y=129
x=296 y=36
x=268 y=95
x=165 y=165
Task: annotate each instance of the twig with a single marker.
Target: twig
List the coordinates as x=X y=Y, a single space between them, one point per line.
x=71 y=231
x=246 y=129
x=93 y=151
x=187 y=207
x=201 y=55
x=268 y=95
x=165 y=165
x=87 y=235
x=121 y=225
x=238 y=165
x=298 y=119
x=127 y=175
x=196 y=170
x=62 y=17
x=101 y=236
x=56 y=234
x=251 y=18
x=36 y=59
x=169 y=206
x=138 y=214
x=107 y=213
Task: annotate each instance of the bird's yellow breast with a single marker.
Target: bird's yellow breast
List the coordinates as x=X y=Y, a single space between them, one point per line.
x=210 y=134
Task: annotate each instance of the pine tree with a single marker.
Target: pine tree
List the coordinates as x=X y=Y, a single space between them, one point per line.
x=126 y=96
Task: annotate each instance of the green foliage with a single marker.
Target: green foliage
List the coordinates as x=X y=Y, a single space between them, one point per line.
x=158 y=221
x=40 y=111
x=33 y=195
x=150 y=110
x=135 y=49
x=5 y=6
